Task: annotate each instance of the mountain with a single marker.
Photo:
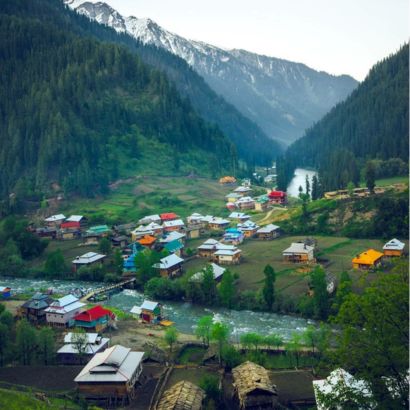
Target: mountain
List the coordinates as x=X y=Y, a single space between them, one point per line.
x=282 y=97
x=371 y=124
x=78 y=112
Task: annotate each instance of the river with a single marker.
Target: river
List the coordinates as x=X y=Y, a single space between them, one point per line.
x=299 y=179
x=185 y=315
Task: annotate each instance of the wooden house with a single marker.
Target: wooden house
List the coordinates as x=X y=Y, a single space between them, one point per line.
x=47 y=232
x=268 y=232
x=195 y=220
x=299 y=253
x=228 y=256
x=368 y=259
x=208 y=248
x=88 y=259
x=152 y=229
x=124 y=229
x=54 y=221
x=278 y=197
x=216 y=223
x=246 y=202
x=242 y=190
x=151 y=312
x=69 y=230
x=174 y=225
x=239 y=217
x=68 y=354
x=119 y=241
x=95 y=319
x=110 y=377
x=394 y=248
x=233 y=236
x=170 y=266
x=101 y=230
x=90 y=238
x=193 y=232
x=248 y=228
x=62 y=311
x=262 y=203
x=182 y=395
x=34 y=309
x=253 y=387
x=176 y=246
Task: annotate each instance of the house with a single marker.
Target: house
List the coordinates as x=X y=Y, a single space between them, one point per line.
x=208 y=248
x=261 y=203
x=147 y=241
x=341 y=386
x=5 y=292
x=34 y=309
x=170 y=216
x=150 y=312
x=170 y=266
x=47 y=232
x=232 y=197
x=172 y=236
x=216 y=223
x=242 y=190
x=239 y=216
x=182 y=395
x=298 y=253
x=149 y=219
x=278 y=197
x=227 y=180
x=193 y=231
x=61 y=312
x=119 y=241
x=69 y=230
x=142 y=230
x=195 y=219
x=218 y=272
x=129 y=263
x=96 y=319
x=228 y=256
x=268 y=232
x=246 y=202
x=54 y=221
x=82 y=220
x=175 y=246
x=253 y=387
x=231 y=206
x=366 y=260
x=88 y=259
x=248 y=228
x=233 y=236
x=111 y=376
x=101 y=230
x=174 y=225
x=124 y=229
x=91 y=238
x=68 y=354
x=394 y=248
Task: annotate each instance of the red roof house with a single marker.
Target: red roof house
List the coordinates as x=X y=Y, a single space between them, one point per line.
x=96 y=318
x=278 y=197
x=170 y=216
x=70 y=225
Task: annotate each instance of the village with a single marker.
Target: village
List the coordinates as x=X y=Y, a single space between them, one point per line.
x=146 y=374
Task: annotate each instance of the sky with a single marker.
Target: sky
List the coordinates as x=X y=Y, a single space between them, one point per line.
x=336 y=36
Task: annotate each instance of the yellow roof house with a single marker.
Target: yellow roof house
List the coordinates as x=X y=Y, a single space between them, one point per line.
x=367 y=259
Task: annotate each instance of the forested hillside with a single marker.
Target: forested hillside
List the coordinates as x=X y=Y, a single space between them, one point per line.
x=251 y=143
x=372 y=124
x=71 y=107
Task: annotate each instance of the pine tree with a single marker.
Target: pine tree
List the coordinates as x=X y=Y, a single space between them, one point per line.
x=268 y=290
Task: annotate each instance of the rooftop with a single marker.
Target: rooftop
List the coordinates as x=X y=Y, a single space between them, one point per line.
x=183 y=395
x=298 y=247
x=394 y=245
x=368 y=258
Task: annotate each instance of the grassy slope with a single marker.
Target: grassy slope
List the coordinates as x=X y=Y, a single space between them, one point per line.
x=13 y=400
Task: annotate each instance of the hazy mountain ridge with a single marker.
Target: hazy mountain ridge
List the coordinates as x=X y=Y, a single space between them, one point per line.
x=282 y=97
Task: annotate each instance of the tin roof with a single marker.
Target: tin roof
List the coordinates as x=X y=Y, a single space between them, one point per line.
x=394 y=245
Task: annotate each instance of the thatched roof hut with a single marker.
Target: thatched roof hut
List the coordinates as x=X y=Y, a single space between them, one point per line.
x=183 y=395
x=253 y=387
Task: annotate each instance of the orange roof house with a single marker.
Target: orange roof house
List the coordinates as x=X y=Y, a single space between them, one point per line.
x=367 y=259
x=147 y=240
x=227 y=180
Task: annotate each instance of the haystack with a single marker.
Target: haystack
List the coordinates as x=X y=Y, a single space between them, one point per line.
x=253 y=387
x=182 y=396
